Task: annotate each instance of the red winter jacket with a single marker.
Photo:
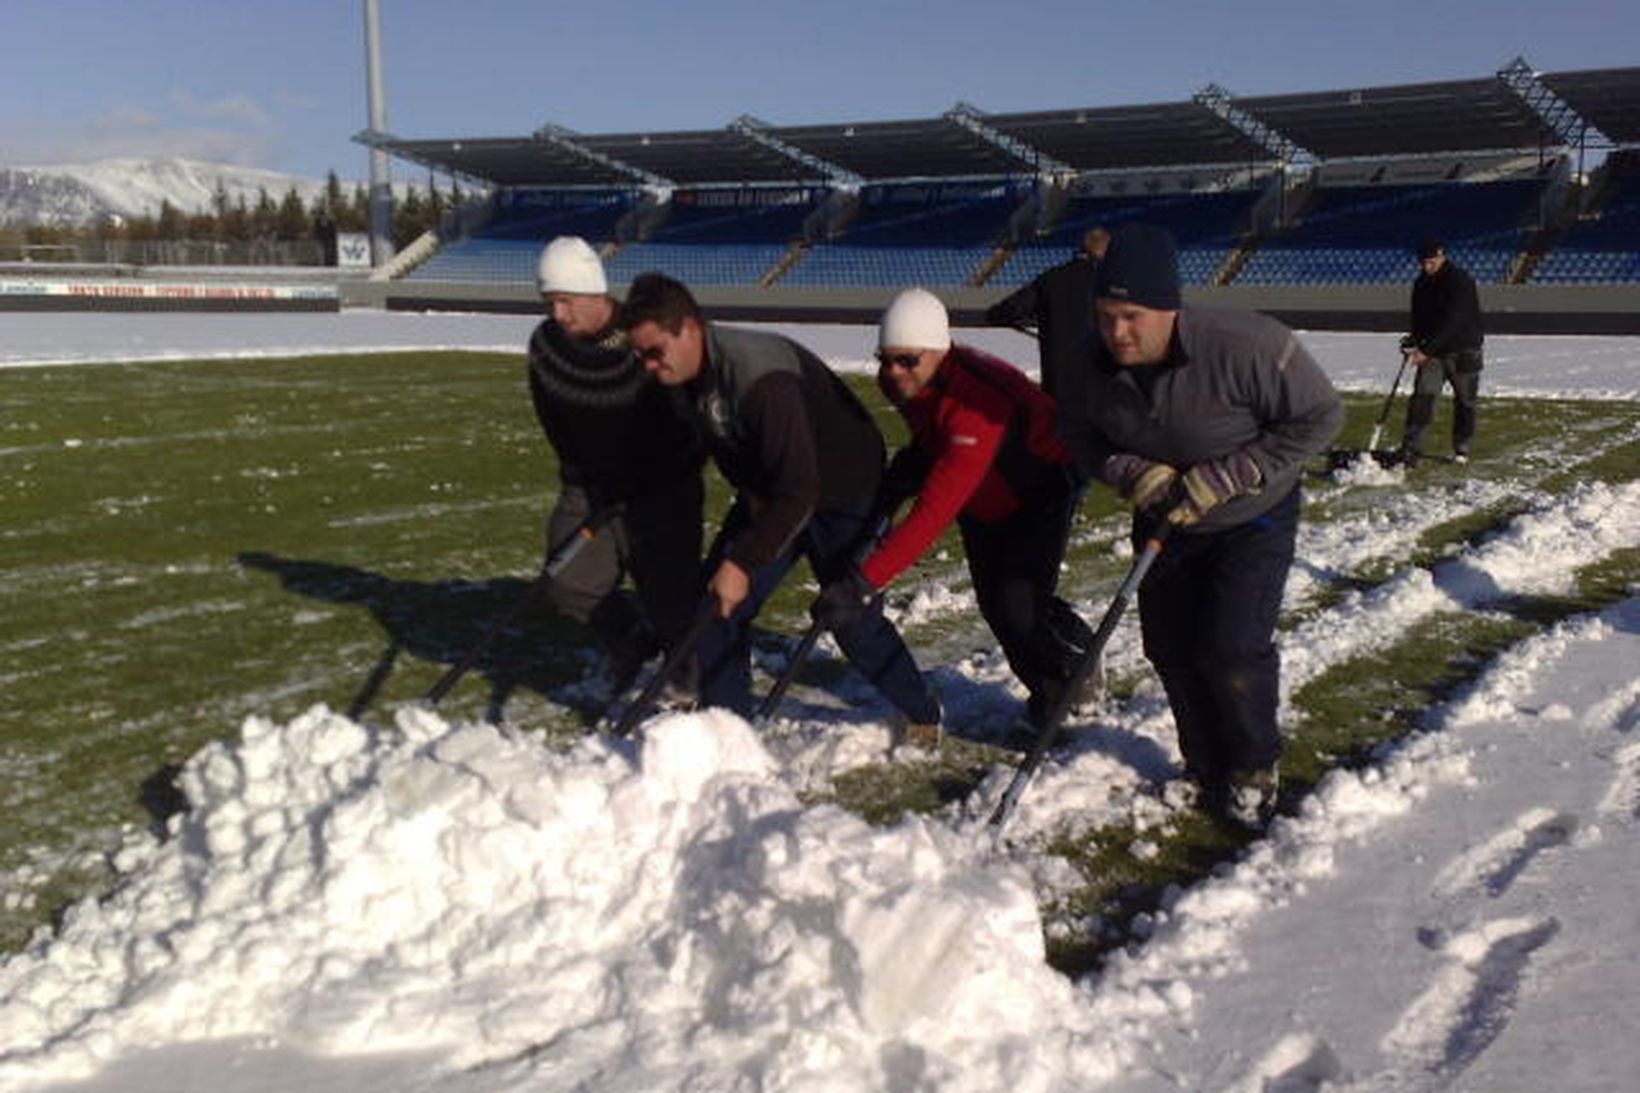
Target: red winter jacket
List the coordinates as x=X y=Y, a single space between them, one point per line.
x=989 y=434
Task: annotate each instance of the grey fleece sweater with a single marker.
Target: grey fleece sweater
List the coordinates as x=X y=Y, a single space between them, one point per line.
x=1232 y=381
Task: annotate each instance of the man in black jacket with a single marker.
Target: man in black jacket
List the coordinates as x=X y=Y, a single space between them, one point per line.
x=622 y=440
x=1059 y=302
x=1203 y=419
x=1445 y=348
x=805 y=459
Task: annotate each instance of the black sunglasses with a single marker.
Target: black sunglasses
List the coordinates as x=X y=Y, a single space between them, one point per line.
x=907 y=361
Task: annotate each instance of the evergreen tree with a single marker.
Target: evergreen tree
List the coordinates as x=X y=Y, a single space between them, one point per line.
x=265 y=216
x=236 y=223
x=358 y=214
x=409 y=218
x=334 y=200
x=169 y=225
x=292 y=221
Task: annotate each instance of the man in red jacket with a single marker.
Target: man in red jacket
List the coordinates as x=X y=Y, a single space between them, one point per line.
x=983 y=453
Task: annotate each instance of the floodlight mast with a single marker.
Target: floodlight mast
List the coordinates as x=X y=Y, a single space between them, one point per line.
x=381 y=179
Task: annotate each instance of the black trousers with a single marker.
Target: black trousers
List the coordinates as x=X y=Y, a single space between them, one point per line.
x=1208 y=611
x=655 y=539
x=1014 y=564
x=1462 y=370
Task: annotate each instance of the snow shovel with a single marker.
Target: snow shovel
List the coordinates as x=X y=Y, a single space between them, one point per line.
x=771 y=701
x=1084 y=670
x=805 y=644
x=685 y=648
x=558 y=559
x=1339 y=458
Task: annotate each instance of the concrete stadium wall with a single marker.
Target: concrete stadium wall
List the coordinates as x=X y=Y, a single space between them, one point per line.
x=1510 y=309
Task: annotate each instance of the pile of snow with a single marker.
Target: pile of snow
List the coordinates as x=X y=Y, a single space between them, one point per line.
x=619 y=916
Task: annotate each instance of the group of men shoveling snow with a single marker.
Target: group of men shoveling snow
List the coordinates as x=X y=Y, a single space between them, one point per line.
x=1202 y=419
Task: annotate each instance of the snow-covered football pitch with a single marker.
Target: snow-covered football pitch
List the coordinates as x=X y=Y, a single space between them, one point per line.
x=502 y=899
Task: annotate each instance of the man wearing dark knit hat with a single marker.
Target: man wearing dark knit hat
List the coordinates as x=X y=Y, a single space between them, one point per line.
x=1445 y=348
x=1203 y=419
x=623 y=440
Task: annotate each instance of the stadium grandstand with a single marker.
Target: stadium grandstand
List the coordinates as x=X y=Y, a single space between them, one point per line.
x=1304 y=203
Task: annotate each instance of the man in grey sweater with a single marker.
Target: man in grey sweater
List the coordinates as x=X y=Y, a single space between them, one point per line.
x=1203 y=419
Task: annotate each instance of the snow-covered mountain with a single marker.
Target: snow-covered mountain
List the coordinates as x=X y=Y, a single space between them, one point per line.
x=74 y=193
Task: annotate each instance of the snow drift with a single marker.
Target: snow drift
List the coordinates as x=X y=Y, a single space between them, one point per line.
x=663 y=915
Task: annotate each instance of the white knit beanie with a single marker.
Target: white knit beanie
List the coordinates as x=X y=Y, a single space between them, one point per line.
x=568 y=264
x=915 y=320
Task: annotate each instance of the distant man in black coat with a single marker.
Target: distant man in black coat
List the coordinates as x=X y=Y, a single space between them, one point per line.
x=1445 y=348
x=1059 y=303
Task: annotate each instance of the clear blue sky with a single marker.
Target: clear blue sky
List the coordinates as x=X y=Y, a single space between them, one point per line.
x=280 y=83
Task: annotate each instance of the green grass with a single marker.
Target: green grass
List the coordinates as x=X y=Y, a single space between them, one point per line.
x=187 y=544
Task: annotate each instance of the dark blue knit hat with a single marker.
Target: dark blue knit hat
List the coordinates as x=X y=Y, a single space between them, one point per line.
x=1141 y=266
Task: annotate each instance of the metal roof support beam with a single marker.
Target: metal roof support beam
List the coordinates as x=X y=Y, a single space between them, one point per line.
x=565 y=139
x=1217 y=99
x=1557 y=114
x=758 y=132
x=1568 y=125
x=973 y=120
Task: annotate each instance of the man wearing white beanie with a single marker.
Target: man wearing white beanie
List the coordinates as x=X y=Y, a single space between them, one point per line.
x=624 y=441
x=984 y=454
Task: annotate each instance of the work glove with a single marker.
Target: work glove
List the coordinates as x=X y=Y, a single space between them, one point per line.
x=843 y=602
x=1211 y=483
x=904 y=477
x=1144 y=482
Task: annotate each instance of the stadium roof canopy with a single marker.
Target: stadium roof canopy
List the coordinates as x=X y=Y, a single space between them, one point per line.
x=1493 y=114
x=701 y=156
x=509 y=161
x=1115 y=137
x=1607 y=98
x=1410 y=119
x=920 y=148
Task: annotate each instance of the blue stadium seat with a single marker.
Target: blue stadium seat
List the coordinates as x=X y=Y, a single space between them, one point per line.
x=1366 y=234
x=1207 y=226
x=1606 y=249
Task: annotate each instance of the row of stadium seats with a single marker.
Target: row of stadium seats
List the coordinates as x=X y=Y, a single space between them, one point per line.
x=1342 y=237
x=1291 y=265
x=695 y=263
x=1196 y=265
x=840 y=266
x=894 y=240
x=1607 y=249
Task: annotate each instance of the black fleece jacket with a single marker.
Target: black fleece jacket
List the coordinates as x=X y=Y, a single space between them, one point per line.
x=1446 y=311
x=786 y=432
